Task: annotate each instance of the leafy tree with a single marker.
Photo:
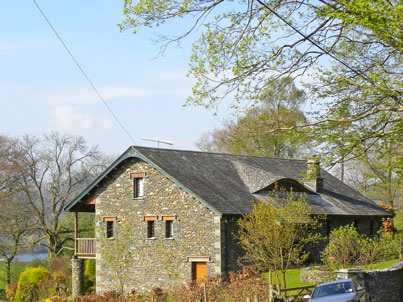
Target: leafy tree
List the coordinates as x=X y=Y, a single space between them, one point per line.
x=277 y=107
x=378 y=173
x=352 y=48
x=275 y=232
x=54 y=169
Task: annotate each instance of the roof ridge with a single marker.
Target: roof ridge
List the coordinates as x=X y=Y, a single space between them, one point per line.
x=218 y=153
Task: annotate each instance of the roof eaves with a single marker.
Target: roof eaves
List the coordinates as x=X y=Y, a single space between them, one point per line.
x=127 y=154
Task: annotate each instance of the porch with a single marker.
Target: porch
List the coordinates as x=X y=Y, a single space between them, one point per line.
x=84 y=247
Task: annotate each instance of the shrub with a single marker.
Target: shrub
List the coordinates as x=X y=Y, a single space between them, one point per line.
x=28 y=283
x=348 y=248
x=10 y=291
x=89 y=276
x=62 y=263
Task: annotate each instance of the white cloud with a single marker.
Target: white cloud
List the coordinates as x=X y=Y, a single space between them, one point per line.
x=11 y=46
x=68 y=118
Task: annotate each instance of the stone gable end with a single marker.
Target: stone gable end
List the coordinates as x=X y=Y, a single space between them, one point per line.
x=157 y=262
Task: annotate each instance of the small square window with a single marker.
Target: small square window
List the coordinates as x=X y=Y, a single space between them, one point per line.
x=150 y=229
x=138 y=187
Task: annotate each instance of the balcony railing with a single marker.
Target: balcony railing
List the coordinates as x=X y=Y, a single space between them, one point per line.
x=85 y=247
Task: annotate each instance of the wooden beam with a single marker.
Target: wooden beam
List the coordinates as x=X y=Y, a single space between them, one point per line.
x=75 y=231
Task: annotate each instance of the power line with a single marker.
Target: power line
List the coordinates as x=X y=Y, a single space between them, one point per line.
x=84 y=74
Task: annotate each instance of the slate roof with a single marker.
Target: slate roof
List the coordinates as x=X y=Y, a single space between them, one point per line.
x=227 y=184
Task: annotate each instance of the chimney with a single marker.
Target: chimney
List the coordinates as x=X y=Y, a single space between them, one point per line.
x=313 y=178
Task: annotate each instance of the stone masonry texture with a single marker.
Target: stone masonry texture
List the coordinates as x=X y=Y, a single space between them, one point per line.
x=77 y=278
x=155 y=262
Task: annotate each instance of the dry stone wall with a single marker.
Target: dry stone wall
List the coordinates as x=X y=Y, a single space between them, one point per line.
x=157 y=262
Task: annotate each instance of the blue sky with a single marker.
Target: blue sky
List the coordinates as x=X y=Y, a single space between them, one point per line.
x=41 y=89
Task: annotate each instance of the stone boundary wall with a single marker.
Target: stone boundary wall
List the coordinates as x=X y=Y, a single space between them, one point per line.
x=382 y=285
x=314 y=276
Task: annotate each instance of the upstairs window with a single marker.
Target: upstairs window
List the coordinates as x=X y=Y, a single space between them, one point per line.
x=138 y=183
x=110 y=226
x=169 y=226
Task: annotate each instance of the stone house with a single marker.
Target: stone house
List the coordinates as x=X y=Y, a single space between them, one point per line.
x=183 y=206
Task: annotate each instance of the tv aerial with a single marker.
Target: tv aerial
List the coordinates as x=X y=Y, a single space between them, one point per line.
x=158 y=141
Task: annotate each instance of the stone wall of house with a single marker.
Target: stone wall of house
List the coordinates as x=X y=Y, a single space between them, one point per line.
x=158 y=262
x=231 y=250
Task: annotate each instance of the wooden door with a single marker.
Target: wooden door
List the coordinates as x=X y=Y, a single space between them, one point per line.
x=199 y=270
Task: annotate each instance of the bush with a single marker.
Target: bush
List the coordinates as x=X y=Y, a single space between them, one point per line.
x=89 y=276
x=28 y=283
x=348 y=248
x=10 y=291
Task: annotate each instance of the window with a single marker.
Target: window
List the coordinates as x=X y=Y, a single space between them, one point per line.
x=109 y=226
x=109 y=229
x=138 y=187
x=169 y=226
x=150 y=229
x=138 y=180
x=150 y=226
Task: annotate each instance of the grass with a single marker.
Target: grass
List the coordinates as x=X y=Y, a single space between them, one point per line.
x=380 y=265
x=293 y=275
x=292 y=278
x=16 y=269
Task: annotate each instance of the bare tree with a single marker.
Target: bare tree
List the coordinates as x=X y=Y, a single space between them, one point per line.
x=15 y=219
x=54 y=169
x=17 y=223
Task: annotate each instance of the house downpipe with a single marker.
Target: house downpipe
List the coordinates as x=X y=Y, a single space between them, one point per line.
x=313 y=178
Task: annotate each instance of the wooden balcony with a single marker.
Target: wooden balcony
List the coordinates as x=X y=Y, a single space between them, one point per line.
x=85 y=248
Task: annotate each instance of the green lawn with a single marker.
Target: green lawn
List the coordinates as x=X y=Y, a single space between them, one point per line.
x=16 y=269
x=293 y=277
x=380 y=265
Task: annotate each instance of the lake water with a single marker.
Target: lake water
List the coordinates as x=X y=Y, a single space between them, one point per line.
x=30 y=257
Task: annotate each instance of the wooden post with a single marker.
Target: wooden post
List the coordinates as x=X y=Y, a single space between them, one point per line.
x=75 y=231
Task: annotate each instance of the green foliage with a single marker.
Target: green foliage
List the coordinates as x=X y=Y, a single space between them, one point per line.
x=348 y=248
x=89 y=275
x=28 y=283
x=254 y=133
x=274 y=234
x=90 y=267
x=353 y=50
x=16 y=270
x=398 y=222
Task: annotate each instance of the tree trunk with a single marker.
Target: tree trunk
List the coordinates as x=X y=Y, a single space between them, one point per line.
x=8 y=269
